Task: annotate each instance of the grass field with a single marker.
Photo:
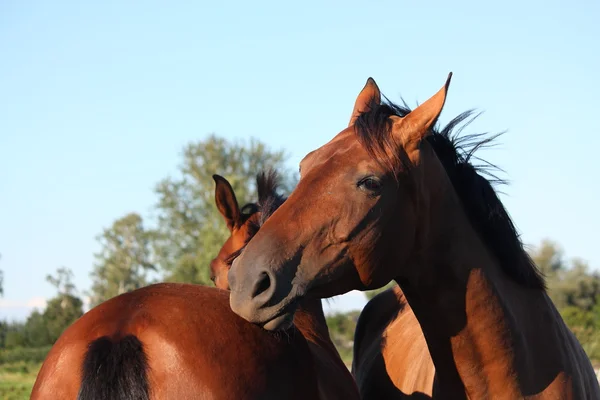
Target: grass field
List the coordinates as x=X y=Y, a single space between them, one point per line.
x=17 y=378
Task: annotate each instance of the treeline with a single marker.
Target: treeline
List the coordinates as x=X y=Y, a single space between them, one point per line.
x=42 y=329
x=185 y=231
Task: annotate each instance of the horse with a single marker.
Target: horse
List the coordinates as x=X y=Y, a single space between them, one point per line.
x=333 y=378
x=181 y=341
x=391 y=197
x=243 y=223
x=391 y=358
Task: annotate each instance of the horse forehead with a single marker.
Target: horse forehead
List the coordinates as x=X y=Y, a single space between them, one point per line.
x=228 y=247
x=344 y=145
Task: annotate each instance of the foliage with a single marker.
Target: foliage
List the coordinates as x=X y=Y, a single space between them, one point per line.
x=548 y=257
x=12 y=335
x=341 y=330
x=577 y=286
x=36 y=332
x=61 y=311
x=586 y=327
x=24 y=354
x=190 y=229
x=575 y=291
x=568 y=285
x=42 y=329
x=124 y=259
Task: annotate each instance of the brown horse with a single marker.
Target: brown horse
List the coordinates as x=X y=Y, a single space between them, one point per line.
x=391 y=197
x=391 y=358
x=178 y=341
x=334 y=379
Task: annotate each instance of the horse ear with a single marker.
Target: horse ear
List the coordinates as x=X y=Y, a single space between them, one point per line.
x=368 y=95
x=416 y=124
x=226 y=202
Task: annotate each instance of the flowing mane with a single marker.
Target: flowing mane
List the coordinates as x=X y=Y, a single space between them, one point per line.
x=480 y=201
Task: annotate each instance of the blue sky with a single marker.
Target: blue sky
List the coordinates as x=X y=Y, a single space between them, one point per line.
x=97 y=99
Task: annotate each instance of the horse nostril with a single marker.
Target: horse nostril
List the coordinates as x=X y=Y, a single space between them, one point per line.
x=262 y=284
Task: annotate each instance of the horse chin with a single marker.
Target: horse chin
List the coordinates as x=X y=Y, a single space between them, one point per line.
x=280 y=323
x=283 y=319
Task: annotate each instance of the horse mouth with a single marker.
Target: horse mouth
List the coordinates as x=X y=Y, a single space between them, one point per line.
x=280 y=323
x=282 y=320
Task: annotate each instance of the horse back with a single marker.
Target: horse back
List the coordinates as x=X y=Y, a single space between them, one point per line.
x=194 y=347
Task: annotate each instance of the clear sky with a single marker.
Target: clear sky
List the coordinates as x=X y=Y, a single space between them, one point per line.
x=97 y=99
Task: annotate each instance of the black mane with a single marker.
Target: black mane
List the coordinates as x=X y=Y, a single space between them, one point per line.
x=269 y=199
x=480 y=201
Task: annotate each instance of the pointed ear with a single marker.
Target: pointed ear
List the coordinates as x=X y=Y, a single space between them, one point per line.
x=412 y=128
x=226 y=202
x=370 y=93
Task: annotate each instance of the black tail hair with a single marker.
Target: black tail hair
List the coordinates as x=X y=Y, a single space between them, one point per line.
x=115 y=370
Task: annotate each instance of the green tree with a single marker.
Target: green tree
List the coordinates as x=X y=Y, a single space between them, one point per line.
x=62 y=310
x=190 y=230
x=575 y=291
x=569 y=284
x=548 y=257
x=15 y=335
x=60 y=313
x=63 y=281
x=124 y=259
x=577 y=287
x=36 y=330
x=586 y=327
x=3 y=330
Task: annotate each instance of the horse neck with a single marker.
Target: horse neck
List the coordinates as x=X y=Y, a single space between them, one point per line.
x=310 y=321
x=483 y=330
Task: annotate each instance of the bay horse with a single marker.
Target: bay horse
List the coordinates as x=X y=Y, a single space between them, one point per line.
x=390 y=197
x=333 y=378
x=181 y=341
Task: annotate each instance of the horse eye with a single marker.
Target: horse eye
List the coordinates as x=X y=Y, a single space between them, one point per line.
x=371 y=184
